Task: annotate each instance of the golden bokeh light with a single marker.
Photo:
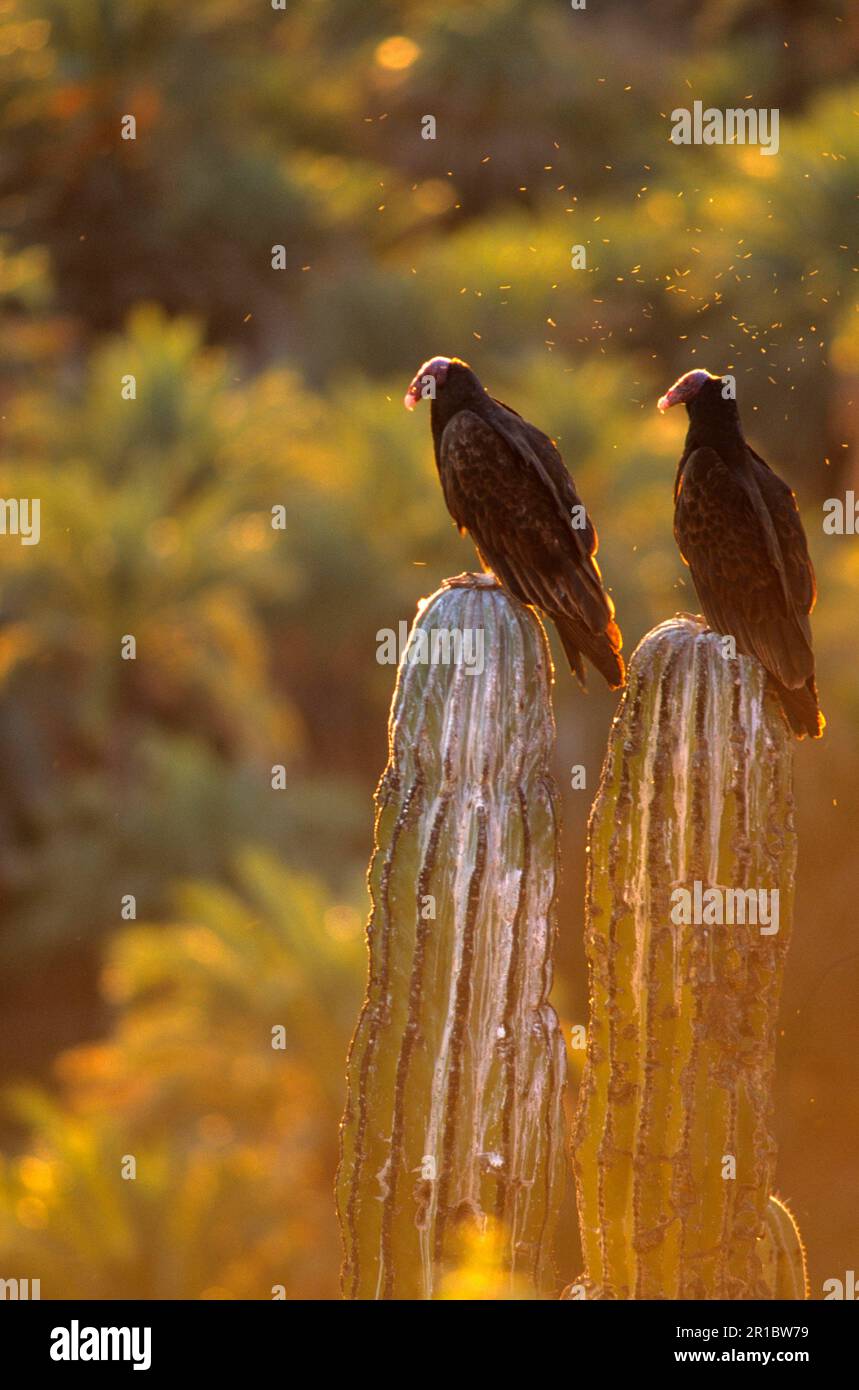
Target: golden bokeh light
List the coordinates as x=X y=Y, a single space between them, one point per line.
x=397 y=53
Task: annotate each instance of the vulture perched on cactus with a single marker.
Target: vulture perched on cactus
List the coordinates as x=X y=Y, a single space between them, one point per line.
x=740 y=533
x=505 y=483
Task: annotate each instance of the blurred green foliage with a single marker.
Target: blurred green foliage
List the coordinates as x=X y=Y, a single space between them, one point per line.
x=258 y=389
x=234 y=1139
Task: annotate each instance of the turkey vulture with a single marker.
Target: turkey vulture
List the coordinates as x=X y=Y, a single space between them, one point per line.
x=740 y=533
x=505 y=483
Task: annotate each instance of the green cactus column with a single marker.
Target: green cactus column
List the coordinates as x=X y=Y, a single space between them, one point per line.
x=456 y=1068
x=673 y=1146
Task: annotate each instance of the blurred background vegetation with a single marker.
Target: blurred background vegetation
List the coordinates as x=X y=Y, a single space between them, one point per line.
x=259 y=388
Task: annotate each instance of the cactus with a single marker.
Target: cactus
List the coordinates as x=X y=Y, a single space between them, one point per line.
x=696 y=785
x=456 y=1068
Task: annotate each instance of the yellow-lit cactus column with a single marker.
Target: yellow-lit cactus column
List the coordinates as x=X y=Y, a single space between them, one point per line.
x=673 y=1145
x=456 y=1069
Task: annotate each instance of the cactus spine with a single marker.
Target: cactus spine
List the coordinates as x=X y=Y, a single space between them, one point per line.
x=456 y=1069
x=783 y=1254
x=696 y=785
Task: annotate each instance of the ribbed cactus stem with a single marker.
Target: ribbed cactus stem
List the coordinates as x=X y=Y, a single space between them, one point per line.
x=673 y=1146
x=456 y=1069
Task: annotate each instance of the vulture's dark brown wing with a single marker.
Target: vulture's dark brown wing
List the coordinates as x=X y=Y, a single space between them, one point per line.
x=539 y=453
x=781 y=503
x=744 y=543
x=519 y=513
x=538 y=450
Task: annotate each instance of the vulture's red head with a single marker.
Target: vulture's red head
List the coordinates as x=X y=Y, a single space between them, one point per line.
x=434 y=370
x=688 y=387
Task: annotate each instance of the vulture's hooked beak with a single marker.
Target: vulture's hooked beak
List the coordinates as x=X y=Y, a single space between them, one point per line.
x=670 y=398
x=413 y=395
